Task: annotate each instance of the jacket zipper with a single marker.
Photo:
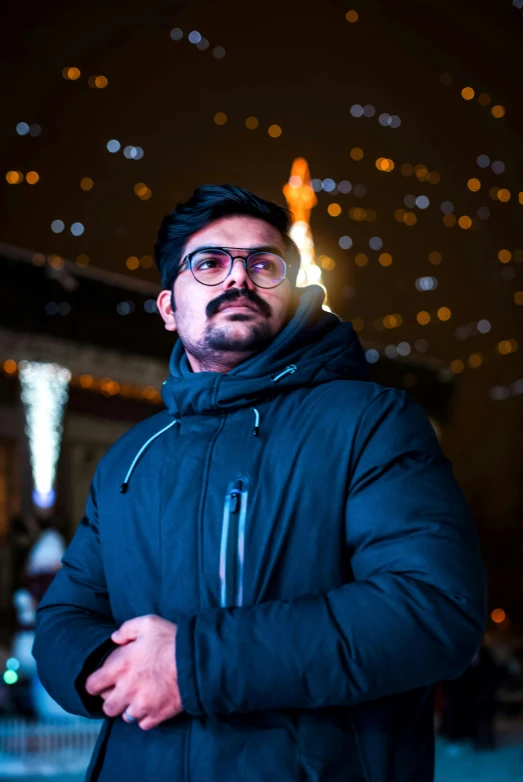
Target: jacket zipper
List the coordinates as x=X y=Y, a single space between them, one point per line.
x=232 y=549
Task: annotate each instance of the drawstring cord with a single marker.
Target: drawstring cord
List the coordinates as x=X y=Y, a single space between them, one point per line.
x=256 y=430
x=125 y=484
x=290 y=370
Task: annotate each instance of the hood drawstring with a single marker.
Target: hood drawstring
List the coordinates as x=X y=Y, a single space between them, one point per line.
x=125 y=484
x=290 y=370
x=256 y=430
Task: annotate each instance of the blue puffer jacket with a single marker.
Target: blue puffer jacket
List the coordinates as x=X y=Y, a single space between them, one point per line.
x=323 y=573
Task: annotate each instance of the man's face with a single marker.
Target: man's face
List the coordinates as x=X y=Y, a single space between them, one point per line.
x=222 y=325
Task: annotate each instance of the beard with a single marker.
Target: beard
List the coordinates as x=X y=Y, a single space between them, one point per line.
x=219 y=342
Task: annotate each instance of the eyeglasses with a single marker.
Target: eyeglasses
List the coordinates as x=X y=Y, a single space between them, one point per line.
x=212 y=266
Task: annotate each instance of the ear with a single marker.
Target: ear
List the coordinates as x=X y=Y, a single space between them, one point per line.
x=164 y=303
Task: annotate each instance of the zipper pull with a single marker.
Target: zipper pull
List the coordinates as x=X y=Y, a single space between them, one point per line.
x=235 y=497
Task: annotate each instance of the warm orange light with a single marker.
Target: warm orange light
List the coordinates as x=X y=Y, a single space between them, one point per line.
x=101 y=82
x=422 y=173
x=392 y=321
x=385 y=259
x=467 y=93
x=71 y=73
x=361 y=259
x=38 y=259
x=251 y=123
x=356 y=153
x=484 y=99
x=520 y=197
x=14 y=177
x=518 y=298
x=410 y=218
x=56 y=261
x=464 y=222
x=475 y=360
x=146 y=261
x=274 y=131
x=504 y=195
x=498 y=111
x=86 y=183
x=498 y=616
x=474 y=184
x=358 y=324
x=423 y=317
x=357 y=213
x=434 y=178
x=220 y=118
x=457 y=366
x=507 y=346
x=10 y=366
x=82 y=259
x=435 y=257
x=352 y=16
x=334 y=210
x=449 y=220
x=444 y=313
x=505 y=256
x=32 y=177
x=399 y=214
x=86 y=381
x=493 y=192
x=327 y=263
x=132 y=263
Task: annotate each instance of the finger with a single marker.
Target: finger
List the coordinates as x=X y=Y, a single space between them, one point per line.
x=136 y=713
x=99 y=681
x=105 y=693
x=115 y=705
x=147 y=723
x=129 y=631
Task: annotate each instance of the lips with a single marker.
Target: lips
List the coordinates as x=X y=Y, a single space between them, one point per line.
x=239 y=304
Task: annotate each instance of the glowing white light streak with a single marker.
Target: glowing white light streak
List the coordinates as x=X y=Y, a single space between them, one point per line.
x=44 y=394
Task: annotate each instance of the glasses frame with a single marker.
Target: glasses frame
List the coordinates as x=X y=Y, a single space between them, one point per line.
x=188 y=260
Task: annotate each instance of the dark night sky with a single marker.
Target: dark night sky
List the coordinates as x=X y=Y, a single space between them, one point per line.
x=302 y=66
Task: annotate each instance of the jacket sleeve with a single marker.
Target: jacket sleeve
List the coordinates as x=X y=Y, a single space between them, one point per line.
x=414 y=614
x=74 y=620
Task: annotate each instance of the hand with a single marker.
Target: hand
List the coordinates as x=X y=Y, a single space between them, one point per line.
x=141 y=675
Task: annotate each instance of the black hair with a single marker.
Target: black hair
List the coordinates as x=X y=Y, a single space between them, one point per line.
x=207 y=204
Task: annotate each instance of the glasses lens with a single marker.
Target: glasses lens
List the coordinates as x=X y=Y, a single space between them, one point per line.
x=210 y=267
x=266 y=269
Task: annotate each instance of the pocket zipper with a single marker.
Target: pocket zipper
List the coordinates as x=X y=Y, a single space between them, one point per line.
x=232 y=549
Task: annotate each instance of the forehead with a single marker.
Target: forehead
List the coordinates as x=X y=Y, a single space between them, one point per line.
x=236 y=231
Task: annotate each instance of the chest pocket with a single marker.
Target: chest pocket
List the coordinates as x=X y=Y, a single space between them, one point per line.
x=232 y=545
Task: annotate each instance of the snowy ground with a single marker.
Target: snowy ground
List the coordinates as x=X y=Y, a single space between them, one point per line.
x=453 y=763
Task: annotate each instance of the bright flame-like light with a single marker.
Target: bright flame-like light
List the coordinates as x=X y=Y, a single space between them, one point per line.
x=44 y=394
x=301 y=199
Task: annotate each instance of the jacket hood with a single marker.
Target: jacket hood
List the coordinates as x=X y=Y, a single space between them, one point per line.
x=314 y=347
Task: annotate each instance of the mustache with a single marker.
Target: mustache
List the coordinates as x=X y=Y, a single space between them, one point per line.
x=233 y=295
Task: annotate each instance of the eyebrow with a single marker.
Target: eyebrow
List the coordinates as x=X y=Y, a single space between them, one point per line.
x=264 y=248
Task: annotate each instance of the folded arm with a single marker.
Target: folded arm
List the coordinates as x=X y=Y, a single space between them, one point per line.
x=414 y=614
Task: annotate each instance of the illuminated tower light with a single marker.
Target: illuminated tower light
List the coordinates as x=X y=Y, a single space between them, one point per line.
x=301 y=198
x=44 y=394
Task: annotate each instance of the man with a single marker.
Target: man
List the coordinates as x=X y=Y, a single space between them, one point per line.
x=273 y=571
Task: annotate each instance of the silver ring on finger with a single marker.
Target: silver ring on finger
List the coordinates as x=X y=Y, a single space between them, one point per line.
x=129 y=717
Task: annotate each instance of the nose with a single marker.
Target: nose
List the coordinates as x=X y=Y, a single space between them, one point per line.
x=238 y=278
